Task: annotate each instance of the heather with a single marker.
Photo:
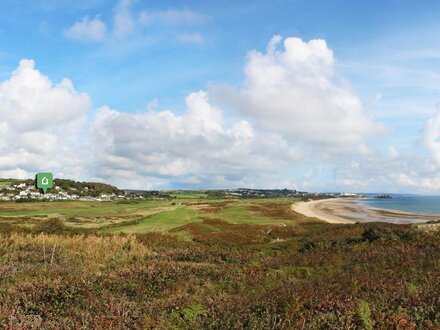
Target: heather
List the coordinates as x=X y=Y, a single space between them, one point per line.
x=279 y=270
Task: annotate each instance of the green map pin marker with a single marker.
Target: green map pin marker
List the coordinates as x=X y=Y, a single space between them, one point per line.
x=44 y=181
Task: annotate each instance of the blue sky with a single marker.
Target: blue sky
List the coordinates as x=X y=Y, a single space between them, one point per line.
x=385 y=55
x=35 y=29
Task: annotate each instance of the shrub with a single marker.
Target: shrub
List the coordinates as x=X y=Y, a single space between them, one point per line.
x=374 y=233
x=364 y=315
x=308 y=246
x=189 y=317
x=404 y=235
x=51 y=226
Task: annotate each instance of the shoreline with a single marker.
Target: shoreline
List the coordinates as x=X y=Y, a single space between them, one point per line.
x=348 y=211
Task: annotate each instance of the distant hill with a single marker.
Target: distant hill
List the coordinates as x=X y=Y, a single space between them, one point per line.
x=92 y=189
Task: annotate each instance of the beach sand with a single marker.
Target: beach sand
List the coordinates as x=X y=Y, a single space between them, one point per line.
x=346 y=210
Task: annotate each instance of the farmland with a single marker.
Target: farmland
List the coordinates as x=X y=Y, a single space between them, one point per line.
x=199 y=263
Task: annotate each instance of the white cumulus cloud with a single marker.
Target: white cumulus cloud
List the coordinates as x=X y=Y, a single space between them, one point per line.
x=131 y=21
x=194 y=147
x=296 y=92
x=390 y=173
x=293 y=118
x=40 y=123
x=431 y=136
x=87 y=30
x=124 y=22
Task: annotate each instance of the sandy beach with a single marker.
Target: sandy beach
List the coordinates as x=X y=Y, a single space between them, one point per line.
x=346 y=210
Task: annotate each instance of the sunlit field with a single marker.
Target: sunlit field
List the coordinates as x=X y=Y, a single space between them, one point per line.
x=217 y=264
x=140 y=217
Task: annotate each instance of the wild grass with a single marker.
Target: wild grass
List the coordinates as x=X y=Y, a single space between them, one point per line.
x=158 y=222
x=70 y=254
x=189 y=195
x=211 y=273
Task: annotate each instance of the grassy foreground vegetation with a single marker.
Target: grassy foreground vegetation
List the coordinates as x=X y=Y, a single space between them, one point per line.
x=211 y=264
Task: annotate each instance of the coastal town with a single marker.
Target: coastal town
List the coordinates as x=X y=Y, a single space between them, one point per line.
x=65 y=190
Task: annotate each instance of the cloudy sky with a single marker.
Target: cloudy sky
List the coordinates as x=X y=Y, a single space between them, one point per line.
x=313 y=95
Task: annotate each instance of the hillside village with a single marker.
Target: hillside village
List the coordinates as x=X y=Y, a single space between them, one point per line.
x=63 y=190
x=252 y=193
x=276 y=193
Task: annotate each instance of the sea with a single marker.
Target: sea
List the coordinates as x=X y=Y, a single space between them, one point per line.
x=405 y=203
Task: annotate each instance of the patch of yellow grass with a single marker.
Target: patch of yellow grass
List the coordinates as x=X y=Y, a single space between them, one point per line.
x=79 y=253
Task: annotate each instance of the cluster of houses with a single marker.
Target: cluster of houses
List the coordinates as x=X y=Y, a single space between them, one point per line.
x=271 y=193
x=246 y=192
x=23 y=191
x=26 y=191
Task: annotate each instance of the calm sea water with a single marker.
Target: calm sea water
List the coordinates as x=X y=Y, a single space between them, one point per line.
x=418 y=204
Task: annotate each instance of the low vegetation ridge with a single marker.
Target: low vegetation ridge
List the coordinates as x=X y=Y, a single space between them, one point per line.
x=64 y=189
x=25 y=190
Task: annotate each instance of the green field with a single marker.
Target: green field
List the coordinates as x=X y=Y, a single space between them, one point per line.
x=138 y=217
x=188 y=195
x=200 y=263
x=161 y=221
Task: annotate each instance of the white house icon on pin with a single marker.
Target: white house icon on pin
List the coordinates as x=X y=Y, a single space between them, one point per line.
x=44 y=181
